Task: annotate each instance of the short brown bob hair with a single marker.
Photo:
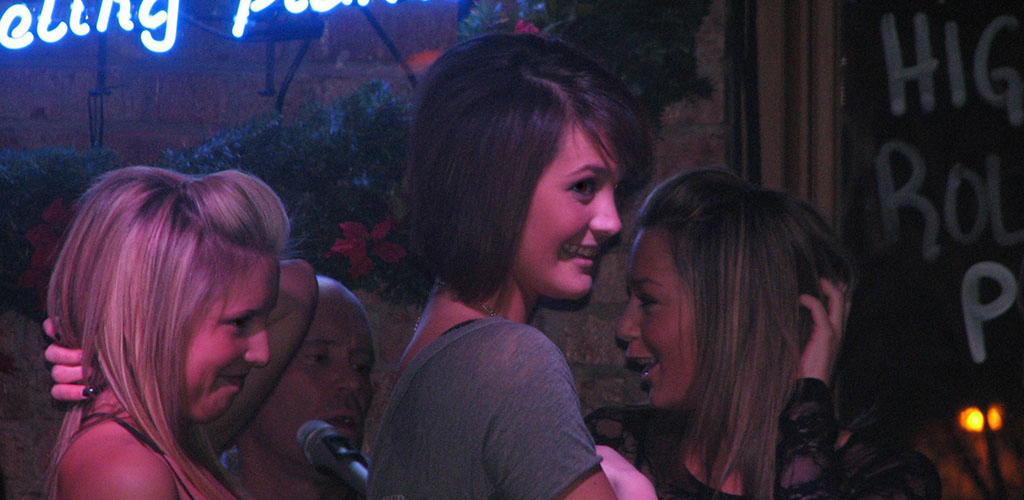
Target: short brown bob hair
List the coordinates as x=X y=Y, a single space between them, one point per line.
x=489 y=116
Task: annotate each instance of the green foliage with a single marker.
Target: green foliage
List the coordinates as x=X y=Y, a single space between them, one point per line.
x=30 y=181
x=485 y=17
x=647 y=43
x=332 y=164
x=337 y=163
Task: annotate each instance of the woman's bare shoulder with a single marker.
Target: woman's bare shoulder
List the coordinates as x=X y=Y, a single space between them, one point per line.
x=106 y=461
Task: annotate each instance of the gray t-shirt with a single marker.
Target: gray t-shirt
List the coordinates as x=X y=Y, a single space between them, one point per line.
x=488 y=410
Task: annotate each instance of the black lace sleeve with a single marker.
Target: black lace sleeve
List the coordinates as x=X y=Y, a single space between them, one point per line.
x=805 y=459
x=808 y=466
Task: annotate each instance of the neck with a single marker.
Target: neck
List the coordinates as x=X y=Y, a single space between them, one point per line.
x=266 y=476
x=445 y=310
x=511 y=302
x=105 y=402
x=694 y=463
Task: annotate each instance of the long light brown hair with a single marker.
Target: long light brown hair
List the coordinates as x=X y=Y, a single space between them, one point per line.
x=147 y=254
x=747 y=254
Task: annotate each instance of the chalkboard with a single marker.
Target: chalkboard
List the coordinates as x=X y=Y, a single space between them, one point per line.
x=933 y=201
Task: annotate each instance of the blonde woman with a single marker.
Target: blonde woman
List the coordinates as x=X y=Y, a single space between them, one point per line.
x=166 y=283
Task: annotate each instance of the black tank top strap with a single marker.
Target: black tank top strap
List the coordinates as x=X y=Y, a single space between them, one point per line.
x=98 y=417
x=146 y=441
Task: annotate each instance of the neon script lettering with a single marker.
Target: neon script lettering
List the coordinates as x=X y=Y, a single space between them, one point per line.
x=246 y=7
x=158 y=18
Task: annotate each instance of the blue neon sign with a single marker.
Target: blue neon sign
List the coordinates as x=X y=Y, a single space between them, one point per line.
x=158 y=20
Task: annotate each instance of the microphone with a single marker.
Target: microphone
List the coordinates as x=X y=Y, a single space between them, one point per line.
x=332 y=454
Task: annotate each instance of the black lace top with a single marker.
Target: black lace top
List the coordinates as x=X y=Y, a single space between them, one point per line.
x=808 y=466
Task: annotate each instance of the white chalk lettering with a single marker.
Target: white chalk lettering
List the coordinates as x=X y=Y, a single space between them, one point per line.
x=987 y=191
x=1002 y=237
x=891 y=199
x=957 y=175
x=972 y=198
x=1001 y=87
x=899 y=74
x=975 y=312
x=955 y=66
x=983 y=78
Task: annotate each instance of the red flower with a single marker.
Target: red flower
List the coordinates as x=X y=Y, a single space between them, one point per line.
x=352 y=230
x=380 y=231
x=356 y=243
x=353 y=248
x=45 y=241
x=360 y=268
x=525 y=27
x=36 y=280
x=58 y=215
x=388 y=251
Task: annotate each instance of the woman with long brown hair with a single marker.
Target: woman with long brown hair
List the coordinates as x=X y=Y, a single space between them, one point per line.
x=736 y=313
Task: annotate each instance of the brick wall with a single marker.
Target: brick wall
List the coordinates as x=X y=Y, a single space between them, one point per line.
x=177 y=99
x=169 y=101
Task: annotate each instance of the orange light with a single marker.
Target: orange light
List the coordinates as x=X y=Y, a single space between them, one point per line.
x=972 y=419
x=994 y=417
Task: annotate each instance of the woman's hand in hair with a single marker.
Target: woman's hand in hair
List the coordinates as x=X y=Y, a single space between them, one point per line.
x=288 y=323
x=67 y=368
x=819 y=356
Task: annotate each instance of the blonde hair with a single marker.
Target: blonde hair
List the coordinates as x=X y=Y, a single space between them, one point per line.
x=147 y=252
x=747 y=254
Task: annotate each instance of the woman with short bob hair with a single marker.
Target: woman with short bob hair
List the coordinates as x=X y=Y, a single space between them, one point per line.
x=727 y=316
x=520 y=147
x=164 y=281
x=489 y=116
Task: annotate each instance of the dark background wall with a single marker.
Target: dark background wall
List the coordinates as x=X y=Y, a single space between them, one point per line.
x=934 y=168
